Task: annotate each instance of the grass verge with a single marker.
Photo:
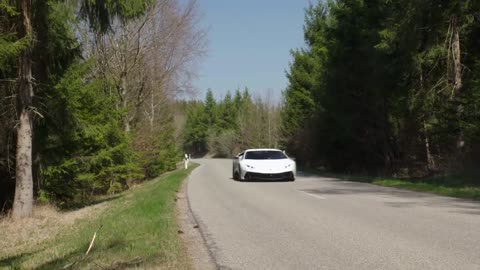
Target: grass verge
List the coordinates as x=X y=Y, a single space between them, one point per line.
x=432 y=185
x=137 y=229
x=457 y=186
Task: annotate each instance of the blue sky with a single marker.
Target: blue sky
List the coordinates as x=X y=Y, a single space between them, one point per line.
x=249 y=43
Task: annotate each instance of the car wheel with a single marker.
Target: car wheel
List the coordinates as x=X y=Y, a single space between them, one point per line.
x=236 y=175
x=239 y=175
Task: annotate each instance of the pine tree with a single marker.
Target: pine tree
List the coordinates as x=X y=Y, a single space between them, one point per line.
x=392 y=81
x=196 y=129
x=211 y=109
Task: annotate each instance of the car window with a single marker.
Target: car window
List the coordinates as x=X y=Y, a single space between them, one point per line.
x=265 y=154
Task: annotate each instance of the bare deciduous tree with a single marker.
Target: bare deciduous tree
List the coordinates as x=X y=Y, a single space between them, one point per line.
x=151 y=59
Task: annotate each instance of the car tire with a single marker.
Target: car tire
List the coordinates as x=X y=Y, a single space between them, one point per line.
x=236 y=175
x=239 y=176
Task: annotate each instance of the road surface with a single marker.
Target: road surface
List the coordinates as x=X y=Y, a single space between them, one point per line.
x=321 y=223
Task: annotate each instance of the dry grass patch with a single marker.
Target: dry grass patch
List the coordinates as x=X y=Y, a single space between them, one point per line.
x=45 y=224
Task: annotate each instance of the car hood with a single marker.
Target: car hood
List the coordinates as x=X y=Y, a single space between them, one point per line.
x=269 y=165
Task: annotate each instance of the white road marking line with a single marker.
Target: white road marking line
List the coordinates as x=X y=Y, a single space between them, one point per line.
x=315 y=196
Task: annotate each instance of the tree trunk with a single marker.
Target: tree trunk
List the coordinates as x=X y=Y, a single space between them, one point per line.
x=456 y=51
x=23 y=200
x=152 y=110
x=457 y=67
x=123 y=94
x=430 y=160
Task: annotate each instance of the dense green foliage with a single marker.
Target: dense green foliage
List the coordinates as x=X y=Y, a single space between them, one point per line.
x=386 y=86
x=99 y=158
x=301 y=96
x=80 y=147
x=230 y=125
x=101 y=13
x=159 y=149
x=10 y=46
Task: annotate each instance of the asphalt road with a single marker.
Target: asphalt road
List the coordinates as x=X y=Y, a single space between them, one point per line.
x=321 y=223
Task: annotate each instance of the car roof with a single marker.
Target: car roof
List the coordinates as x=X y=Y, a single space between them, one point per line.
x=262 y=149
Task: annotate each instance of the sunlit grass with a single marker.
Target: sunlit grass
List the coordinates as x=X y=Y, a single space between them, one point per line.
x=138 y=229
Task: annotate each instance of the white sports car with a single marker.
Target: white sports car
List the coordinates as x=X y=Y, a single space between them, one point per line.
x=263 y=164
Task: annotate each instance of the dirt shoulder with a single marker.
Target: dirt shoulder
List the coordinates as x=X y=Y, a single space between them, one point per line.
x=191 y=234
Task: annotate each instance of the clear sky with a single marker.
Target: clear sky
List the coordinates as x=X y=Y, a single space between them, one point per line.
x=249 y=44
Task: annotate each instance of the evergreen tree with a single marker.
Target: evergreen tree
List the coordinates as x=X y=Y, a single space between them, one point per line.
x=301 y=98
x=86 y=152
x=35 y=18
x=211 y=109
x=391 y=81
x=227 y=113
x=196 y=129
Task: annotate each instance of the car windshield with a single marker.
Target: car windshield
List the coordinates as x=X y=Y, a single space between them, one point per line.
x=265 y=154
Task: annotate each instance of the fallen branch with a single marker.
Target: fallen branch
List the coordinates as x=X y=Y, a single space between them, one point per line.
x=68 y=266
x=91 y=242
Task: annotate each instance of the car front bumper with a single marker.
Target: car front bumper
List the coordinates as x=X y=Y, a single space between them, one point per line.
x=269 y=176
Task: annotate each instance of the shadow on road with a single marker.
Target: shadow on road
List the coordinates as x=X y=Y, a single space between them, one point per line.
x=396 y=198
x=261 y=181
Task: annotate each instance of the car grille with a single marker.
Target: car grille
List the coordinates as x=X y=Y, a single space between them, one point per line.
x=269 y=176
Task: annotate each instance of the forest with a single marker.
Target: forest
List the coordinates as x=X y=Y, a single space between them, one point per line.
x=90 y=95
x=87 y=96
x=387 y=87
x=232 y=124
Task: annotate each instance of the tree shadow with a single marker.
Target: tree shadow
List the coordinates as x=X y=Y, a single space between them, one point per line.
x=395 y=197
x=198 y=154
x=334 y=176
x=63 y=261
x=75 y=259
x=78 y=205
x=13 y=261
x=356 y=188
x=252 y=181
x=457 y=180
x=221 y=156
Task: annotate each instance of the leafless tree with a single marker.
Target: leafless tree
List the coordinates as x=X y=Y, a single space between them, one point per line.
x=259 y=124
x=152 y=59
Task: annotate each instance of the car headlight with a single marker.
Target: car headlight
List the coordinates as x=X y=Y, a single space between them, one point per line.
x=288 y=166
x=249 y=166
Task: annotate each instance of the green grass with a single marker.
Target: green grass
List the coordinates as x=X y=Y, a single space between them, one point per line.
x=458 y=186
x=138 y=226
x=465 y=191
